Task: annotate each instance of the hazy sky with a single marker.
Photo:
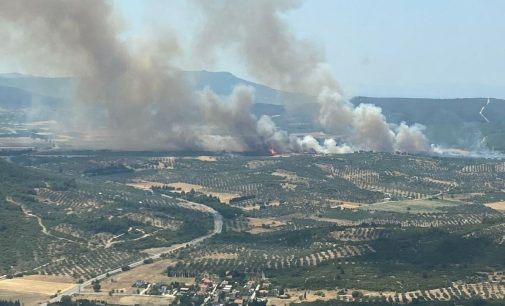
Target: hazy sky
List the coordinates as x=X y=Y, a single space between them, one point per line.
x=445 y=48
x=428 y=48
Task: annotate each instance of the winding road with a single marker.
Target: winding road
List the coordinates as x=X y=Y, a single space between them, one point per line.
x=218 y=226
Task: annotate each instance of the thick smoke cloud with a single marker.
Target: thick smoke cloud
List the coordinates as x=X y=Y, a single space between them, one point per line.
x=412 y=138
x=139 y=93
x=278 y=58
x=143 y=101
x=144 y=104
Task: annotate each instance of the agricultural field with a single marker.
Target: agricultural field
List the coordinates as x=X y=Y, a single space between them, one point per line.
x=413 y=206
x=34 y=289
x=357 y=228
x=70 y=226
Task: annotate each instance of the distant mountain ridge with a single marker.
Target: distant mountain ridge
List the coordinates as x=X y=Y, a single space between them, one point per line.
x=448 y=121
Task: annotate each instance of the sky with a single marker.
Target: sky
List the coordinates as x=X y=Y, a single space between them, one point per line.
x=411 y=45
x=418 y=48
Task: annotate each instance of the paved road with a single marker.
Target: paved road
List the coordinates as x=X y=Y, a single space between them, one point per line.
x=218 y=227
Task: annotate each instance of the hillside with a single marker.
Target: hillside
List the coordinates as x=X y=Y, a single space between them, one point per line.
x=454 y=122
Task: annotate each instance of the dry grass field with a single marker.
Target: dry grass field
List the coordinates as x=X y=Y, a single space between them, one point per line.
x=345 y=204
x=186 y=187
x=206 y=158
x=412 y=206
x=223 y=196
x=256 y=224
x=26 y=298
x=127 y=299
x=125 y=294
x=144 y=185
x=499 y=206
x=323 y=295
x=148 y=272
x=33 y=290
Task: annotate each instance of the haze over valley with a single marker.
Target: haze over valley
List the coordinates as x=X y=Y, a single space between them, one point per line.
x=261 y=152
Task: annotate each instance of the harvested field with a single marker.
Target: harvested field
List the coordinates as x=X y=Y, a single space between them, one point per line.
x=206 y=158
x=499 y=206
x=42 y=285
x=128 y=299
x=145 y=185
x=27 y=299
x=223 y=196
x=148 y=272
x=262 y=225
x=186 y=187
x=412 y=206
x=345 y=204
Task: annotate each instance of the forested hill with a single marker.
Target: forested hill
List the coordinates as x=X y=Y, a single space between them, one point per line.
x=436 y=111
x=452 y=122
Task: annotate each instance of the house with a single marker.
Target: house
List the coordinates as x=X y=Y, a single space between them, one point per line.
x=227 y=288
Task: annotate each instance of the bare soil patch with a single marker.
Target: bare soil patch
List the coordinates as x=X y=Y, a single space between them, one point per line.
x=499 y=206
x=206 y=158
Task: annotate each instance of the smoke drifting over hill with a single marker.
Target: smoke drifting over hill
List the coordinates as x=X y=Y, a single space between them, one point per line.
x=144 y=105
x=276 y=57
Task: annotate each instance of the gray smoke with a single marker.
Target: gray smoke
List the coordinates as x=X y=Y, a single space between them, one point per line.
x=231 y=116
x=273 y=55
x=144 y=104
x=271 y=52
x=412 y=138
x=137 y=90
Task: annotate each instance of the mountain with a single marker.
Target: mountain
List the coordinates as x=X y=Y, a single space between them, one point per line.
x=44 y=86
x=429 y=111
x=223 y=83
x=454 y=122
x=447 y=121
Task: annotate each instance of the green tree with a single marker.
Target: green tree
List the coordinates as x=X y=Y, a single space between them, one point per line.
x=96 y=286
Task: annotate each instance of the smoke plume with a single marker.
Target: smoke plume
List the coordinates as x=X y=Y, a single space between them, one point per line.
x=142 y=102
x=273 y=55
